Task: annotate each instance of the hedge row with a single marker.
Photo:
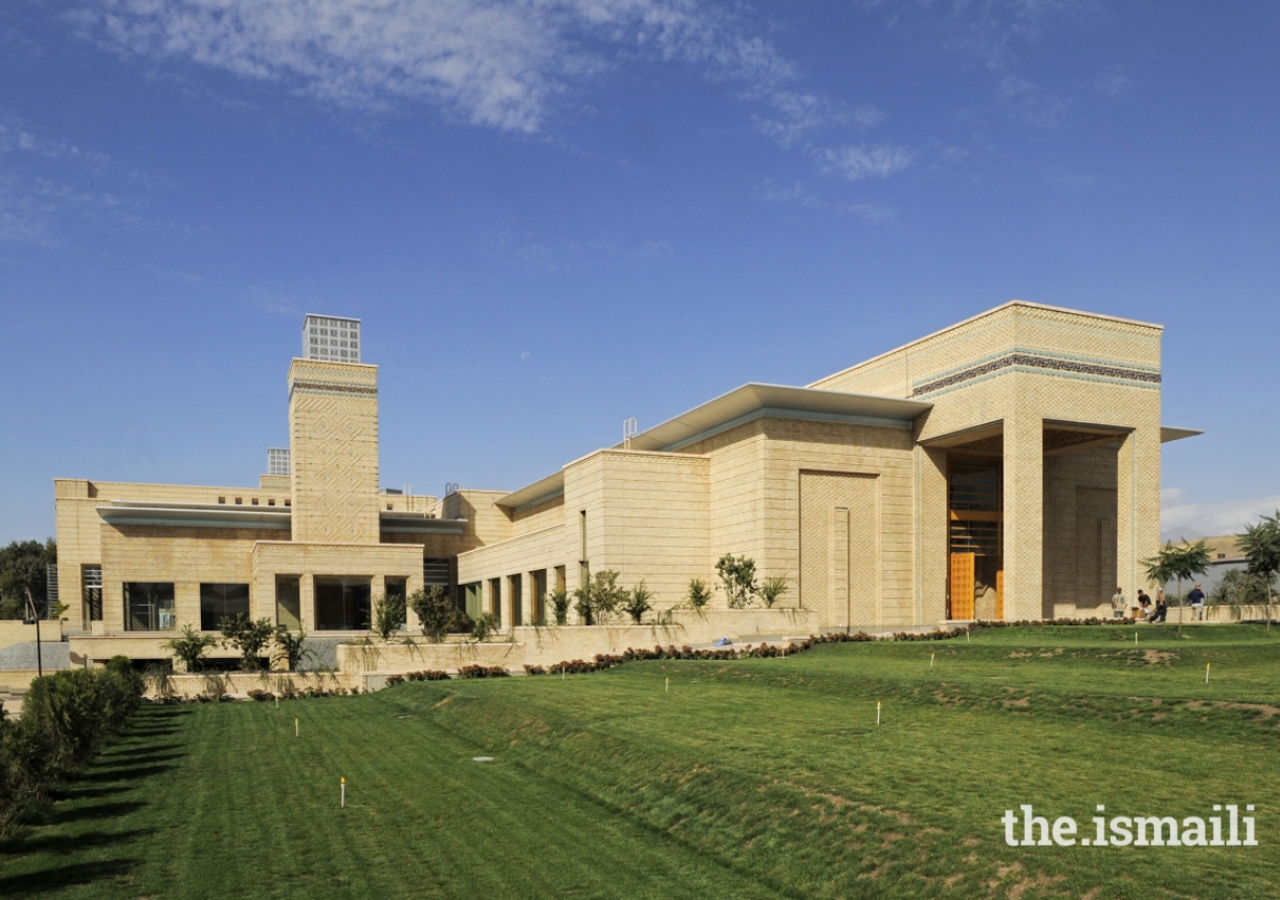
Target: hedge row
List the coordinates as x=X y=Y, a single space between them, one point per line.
x=66 y=719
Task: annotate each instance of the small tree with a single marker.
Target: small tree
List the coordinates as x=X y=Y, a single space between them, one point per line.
x=1239 y=589
x=771 y=589
x=637 y=602
x=191 y=647
x=291 y=648
x=249 y=637
x=699 y=594
x=1260 y=544
x=559 y=600
x=435 y=611
x=388 y=615
x=485 y=625
x=1178 y=563
x=738 y=578
x=599 y=598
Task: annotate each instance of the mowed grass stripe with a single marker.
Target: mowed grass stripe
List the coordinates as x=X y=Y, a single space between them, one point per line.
x=750 y=779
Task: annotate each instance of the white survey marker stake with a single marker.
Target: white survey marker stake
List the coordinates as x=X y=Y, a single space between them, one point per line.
x=295 y=729
x=1206 y=673
x=931 y=655
x=668 y=686
x=344 y=793
x=877 y=712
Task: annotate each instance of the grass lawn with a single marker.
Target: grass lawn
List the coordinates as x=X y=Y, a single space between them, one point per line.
x=752 y=778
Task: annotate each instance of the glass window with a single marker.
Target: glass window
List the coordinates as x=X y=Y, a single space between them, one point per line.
x=148 y=606
x=399 y=587
x=219 y=601
x=289 y=601
x=342 y=602
x=91 y=577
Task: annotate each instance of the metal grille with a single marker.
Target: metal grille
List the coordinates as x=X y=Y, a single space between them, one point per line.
x=981 y=538
x=975 y=486
x=278 y=461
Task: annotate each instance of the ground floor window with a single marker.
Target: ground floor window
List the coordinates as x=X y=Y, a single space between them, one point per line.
x=538 y=596
x=342 y=602
x=222 y=601
x=289 y=601
x=91 y=580
x=471 y=599
x=397 y=589
x=148 y=606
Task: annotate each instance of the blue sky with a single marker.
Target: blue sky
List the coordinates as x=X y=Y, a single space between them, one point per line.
x=552 y=216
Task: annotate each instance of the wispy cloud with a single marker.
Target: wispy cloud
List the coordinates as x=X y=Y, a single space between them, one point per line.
x=504 y=65
x=856 y=162
x=1227 y=517
x=797 y=194
x=1113 y=81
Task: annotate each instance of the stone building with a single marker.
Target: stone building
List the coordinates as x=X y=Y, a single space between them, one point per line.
x=1005 y=467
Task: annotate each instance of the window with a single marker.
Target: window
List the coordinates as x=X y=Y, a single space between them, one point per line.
x=254 y=501
x=239 y=502
x=398 y=587
x=435 y=572
x=538 y=596
x=471 y=599
x=222 y=499
x=342 y=602
x=289 y=601
x=515 y=584
x=288 y=502
x=148 y=606
x=270 y=502
x=495 y=598
x=222 y=601
x=389 y=506
x=91 y=582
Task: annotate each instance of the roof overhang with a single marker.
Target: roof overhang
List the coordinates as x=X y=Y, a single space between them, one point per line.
x=1169 y=433
x=194 y=515
x=418 y=523
x=744 y=404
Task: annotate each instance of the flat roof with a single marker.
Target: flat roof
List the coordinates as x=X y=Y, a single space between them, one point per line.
x=742 y=404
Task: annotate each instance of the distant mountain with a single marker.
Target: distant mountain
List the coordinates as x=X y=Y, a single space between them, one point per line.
x=1181 y=533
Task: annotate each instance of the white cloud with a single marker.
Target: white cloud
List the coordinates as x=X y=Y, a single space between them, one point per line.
x=1228 y=517
x=504 y=65
x=798 y=195
x=867 y=161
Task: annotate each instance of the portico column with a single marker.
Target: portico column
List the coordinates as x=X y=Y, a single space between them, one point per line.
x=1023 y=517
x=1138 y=507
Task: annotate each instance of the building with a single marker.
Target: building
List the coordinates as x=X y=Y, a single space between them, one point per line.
x=1007 y=467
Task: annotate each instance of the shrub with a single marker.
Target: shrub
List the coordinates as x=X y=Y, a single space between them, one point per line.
x=261 y=696
x=738 y=579
x=485 y=625
x=191 y=647
x=771 y=589
x=249 y=637
x=559 y=600
x=388 y=615
x=699 y=594
x=599 y=598
x=437 y=614
x=637 y=602
x=291 y=648
x=534 y=670
x=483 y=672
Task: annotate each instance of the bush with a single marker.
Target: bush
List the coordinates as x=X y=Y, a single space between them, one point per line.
x=771 y=589
x=485 y=625
x=637 y=602
x=699 y=594
x=388 y=615
x=437 y=614
x=66 y=718
x=291 y=648
x=483 y=672
x=191 y=647
x=249 y=637
x=599 y=598
x=559 y=600
x=738 y=578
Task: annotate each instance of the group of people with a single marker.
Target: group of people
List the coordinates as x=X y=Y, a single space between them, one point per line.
x=1158 y=611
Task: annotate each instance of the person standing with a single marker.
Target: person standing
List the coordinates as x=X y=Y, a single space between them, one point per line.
x=1197 y=602
x=1118 y=603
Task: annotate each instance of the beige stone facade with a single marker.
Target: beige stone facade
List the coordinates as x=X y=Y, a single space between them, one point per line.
x=1006 y=467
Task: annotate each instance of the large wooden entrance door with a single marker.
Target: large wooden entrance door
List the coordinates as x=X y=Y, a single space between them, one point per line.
x=975 y=513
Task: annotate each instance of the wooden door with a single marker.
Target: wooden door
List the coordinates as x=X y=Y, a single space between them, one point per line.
x=962 y=585
x=1000 y=594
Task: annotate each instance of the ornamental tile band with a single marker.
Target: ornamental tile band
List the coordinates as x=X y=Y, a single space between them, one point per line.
x=1037 y=362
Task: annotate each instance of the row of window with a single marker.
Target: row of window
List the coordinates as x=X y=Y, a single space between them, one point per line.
x=477 y=600
x=253 y=501
x=342 y=603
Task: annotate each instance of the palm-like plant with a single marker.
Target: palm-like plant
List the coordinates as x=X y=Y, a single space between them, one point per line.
x=1260 y=544
x=1176 y=563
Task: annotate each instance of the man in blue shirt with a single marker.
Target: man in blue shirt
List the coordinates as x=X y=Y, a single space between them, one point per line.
x=1197 y=602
